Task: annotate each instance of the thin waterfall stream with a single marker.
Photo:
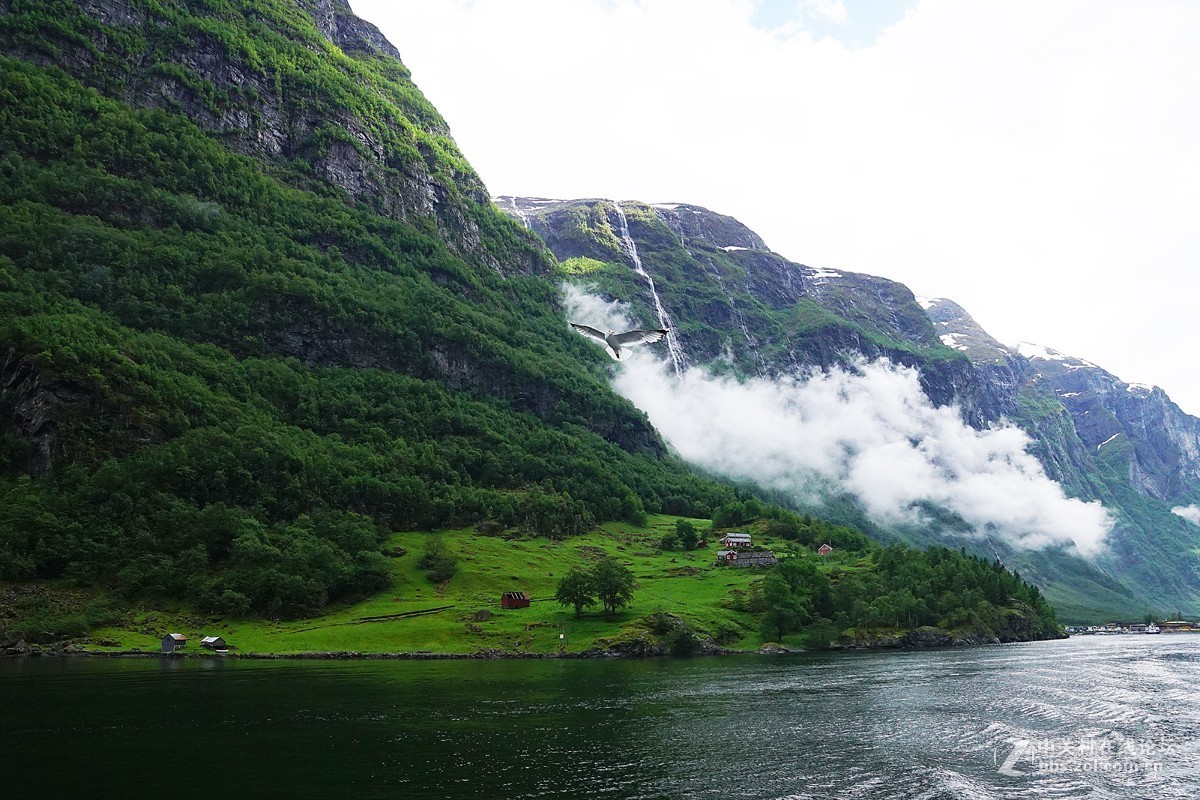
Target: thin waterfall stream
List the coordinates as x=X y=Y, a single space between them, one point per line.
x=664 y=319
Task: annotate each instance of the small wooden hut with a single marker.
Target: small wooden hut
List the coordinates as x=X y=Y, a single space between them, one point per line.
x=514 y=600
x=173 y=641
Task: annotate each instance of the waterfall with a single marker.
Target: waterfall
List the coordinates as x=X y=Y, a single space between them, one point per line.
x=673 y=348
x=524 y=217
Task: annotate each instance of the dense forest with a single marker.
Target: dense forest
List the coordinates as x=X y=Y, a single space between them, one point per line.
x=906 y=589
x=894 y=586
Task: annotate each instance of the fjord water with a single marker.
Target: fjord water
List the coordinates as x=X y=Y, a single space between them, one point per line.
x=1098 y=717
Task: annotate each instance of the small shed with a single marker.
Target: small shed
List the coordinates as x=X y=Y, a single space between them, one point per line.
x=173 y=641
x=736 y=540
x=514 y=600
x=825 y=549
x=214 y=643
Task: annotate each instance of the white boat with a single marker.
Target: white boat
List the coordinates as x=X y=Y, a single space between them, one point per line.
x=1152 y=628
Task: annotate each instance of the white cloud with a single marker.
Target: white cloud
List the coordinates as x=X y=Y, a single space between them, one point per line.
x=1034 y=161
x=1190 y=513
x=832 y=10
x=869 y=431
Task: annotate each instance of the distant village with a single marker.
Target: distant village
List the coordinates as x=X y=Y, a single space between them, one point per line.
x=1111 y=628
x=739 y=551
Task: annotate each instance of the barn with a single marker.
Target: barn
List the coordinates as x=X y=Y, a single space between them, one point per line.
x=825 y=549
x=514 y=600
x=214 y=643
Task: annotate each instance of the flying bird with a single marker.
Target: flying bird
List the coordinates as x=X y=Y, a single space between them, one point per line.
x=613 y=341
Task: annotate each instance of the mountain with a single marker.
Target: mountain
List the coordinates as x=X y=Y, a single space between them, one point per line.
x=1126 y=445
x=739 y=307
x=257 y=311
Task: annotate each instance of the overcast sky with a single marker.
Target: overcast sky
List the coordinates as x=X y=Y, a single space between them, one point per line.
x=1036 y=161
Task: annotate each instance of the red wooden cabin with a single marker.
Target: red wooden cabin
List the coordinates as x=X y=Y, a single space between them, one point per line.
x=514 y=600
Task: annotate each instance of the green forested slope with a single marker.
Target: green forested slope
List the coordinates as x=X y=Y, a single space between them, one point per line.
x=220 y=384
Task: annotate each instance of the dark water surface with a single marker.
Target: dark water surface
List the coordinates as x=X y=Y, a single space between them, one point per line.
x=1098 y=717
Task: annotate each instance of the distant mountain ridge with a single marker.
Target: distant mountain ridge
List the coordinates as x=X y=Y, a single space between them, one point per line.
x=1165 y=440
x=739 y=303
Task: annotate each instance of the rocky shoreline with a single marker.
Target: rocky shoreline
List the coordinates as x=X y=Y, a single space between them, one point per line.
x=924 y=638
x=916 y=639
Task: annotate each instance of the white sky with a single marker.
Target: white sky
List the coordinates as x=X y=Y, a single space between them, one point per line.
x=1037 y=161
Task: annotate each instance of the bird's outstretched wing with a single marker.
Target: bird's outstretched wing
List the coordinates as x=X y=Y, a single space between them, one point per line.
x=589 y=332
x=630 y=338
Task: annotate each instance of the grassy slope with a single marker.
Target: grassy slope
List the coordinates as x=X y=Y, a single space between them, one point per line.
x=687 y=584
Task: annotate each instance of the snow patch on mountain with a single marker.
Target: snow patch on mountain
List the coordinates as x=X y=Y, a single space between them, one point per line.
x=820 y=273
x=951 y=340
x=1036 y=351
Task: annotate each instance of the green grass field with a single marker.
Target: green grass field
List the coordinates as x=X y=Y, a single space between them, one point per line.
x=464 y=615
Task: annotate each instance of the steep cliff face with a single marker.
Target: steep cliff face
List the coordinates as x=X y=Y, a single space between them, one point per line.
x=738 y=305
x=735 y=301
x=314 y=91
x=1125 y=445
x=1165 y=442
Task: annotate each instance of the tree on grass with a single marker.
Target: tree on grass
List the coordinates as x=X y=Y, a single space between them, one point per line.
x=439 y=564
x=687 y=534
x=575 y=589
x=613 y=584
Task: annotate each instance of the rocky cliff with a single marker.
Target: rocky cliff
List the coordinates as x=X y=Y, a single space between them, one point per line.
x=315 y=92
x=735 y=300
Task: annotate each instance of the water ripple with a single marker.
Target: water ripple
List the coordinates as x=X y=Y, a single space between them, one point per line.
x=1111 y=718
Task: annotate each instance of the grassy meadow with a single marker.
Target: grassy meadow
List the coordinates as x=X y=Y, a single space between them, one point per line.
x=464 y=615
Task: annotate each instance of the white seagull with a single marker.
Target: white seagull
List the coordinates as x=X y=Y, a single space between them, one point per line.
x=613 y=341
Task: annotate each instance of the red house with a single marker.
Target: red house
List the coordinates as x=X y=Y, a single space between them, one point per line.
x=736 y=540
x=824 y=549
x=514 y=600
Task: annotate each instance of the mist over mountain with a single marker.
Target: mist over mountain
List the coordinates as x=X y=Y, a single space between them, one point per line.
x=1012 y=451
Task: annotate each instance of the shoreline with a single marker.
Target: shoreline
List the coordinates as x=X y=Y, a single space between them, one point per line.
x=67 y=651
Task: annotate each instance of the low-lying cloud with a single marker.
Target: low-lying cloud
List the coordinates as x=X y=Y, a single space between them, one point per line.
x=868 y=430
x=1190 y=513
